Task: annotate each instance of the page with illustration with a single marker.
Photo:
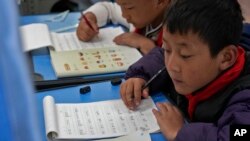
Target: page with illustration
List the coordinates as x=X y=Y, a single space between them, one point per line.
x=93 y=61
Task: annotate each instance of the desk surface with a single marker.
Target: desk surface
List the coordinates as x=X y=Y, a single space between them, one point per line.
x=99 y=92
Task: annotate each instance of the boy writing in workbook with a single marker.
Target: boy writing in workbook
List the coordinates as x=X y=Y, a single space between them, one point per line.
x=142 y=17
x=207 y=74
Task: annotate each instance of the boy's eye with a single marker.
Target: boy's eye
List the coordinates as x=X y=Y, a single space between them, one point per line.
x=167 y=50
x=186 y=56
x=129 y=8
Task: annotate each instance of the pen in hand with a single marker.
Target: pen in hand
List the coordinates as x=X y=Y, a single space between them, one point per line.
x=153 y=78
x=83 y=17
x=145 y=86
x=87 y=22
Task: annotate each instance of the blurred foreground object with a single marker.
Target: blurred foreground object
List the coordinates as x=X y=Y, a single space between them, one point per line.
x=18 y=116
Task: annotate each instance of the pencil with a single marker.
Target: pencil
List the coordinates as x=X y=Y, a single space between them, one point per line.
x=153 y=77
x=87 y=21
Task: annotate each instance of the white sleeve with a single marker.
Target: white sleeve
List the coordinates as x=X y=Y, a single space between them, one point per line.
x=106 y=12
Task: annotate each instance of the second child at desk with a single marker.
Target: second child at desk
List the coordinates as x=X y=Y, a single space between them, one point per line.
x=143 y=18
x=208 y=73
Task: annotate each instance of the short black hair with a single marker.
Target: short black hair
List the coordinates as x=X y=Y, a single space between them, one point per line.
x=217 y=22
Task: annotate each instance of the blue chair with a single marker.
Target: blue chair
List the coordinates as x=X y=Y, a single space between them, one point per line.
x=18 y=118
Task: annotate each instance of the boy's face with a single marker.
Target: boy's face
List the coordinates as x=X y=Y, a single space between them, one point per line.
x=188 y=62
x=141 y=13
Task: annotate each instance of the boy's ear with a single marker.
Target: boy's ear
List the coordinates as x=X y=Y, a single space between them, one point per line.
x=162 y=2
x=227 y=57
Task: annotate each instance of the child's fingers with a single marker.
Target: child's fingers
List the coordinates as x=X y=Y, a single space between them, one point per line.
x=89 y=30
x=156 y=113
x=170 y=107
x=123 y=92
x=94 y=26
x=162 y=108
x=123 y=39
x=129 y=97
x=82 y=35
x=145 y=93
x=92 y=20
x=137 y=93
x=84 y=32
x=118 y=39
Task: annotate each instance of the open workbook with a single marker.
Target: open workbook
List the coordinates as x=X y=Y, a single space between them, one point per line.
x=72 y=57
x=104 y=119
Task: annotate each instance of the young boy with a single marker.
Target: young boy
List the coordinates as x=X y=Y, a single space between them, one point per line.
x=207 y=74
x=144 y=15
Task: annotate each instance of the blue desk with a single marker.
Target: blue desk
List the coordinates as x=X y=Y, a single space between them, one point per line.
x=99 y=92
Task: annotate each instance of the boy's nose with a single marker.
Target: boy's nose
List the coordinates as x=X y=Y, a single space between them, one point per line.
x=126 y=16
x=172 y=64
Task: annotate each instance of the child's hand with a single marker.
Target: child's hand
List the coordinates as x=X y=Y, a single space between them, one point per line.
x=86 y=32
x=131 y=92
x=169 y=119
x=135 y=40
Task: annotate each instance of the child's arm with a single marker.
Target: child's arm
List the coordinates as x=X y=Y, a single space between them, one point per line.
x=139 y=73
x=170 y=120
x=237 y=112
x=99 y=15
x=106 y=12
x=147 y=67
x=135 y=40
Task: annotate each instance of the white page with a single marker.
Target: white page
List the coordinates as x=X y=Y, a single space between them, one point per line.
x=69 y=41
x=35 y=36
x=50 y=117
x=136 y=136
x=103 y=119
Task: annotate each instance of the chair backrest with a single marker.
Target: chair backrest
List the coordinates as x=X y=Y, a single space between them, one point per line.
x=18 y=115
